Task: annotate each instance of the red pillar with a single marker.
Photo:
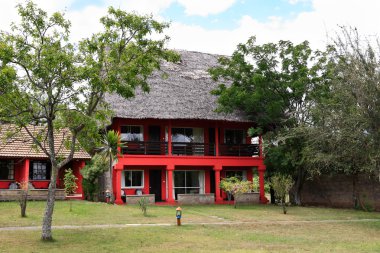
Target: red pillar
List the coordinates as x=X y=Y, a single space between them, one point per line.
x=170 y=169
x=216 y=141
x=170 y=139
x=217 y=170
x=263 y=199
x=25 y=173
x=80 y=165
x=117 y=189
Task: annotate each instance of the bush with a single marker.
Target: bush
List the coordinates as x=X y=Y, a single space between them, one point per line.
x=70 y=182
x=234 y=186
x=143 y=203
x=281 y=185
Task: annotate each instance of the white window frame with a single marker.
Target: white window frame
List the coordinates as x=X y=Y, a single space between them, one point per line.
x=132 y=187
x=201 y=180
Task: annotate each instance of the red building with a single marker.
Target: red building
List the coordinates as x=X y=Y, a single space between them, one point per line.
x=176 y=142
x=21 y=161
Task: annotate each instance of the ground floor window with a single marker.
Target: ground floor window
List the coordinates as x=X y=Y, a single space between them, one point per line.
x=7 y=171
x=39 y=170
x=133 y=179
x=240 y=174
x=188 y=182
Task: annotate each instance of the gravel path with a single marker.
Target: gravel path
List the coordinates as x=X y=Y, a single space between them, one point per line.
x=106 y=226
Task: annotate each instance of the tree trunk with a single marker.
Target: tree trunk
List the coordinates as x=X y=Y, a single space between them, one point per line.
x=112 y=199
x=272 y=195
x=298 y=187
x=283 y=203
x=48 y=215
x=23 y=202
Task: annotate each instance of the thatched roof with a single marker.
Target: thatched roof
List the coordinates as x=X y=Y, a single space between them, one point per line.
x=184 y=94
x=20 y=145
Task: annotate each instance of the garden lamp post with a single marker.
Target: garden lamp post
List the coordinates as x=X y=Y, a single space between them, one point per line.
x=178 y=215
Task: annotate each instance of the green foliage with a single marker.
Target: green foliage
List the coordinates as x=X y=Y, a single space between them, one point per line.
x=281 y=185
x=346 y=136
x=69 y=181
x=143 y=204
x=94 y=168
x=109 y=151
x=46 y=80
x=90 y=189
x=91 y=172
x=276 y=85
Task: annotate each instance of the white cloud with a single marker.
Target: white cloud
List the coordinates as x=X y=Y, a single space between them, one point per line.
x=140 y=6
x=205 y=7
x=313 y=25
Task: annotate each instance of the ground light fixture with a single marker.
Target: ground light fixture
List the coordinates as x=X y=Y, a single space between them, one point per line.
x=178 y=214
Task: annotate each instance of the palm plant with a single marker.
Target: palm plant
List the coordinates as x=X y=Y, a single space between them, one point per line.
x=110 y=150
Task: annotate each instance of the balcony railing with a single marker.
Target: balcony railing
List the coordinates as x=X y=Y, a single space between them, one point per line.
x=189 y=149
x=239 y=150
x=145 y=148
x=193 y=149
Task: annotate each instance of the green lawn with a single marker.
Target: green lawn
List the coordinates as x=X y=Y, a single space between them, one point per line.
x=266 y=229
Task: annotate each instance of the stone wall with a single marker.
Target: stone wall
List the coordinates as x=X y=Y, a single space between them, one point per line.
x=134 y=199
x=338 y=191
x=34 y=194
x=195 y=199
x=248 y=198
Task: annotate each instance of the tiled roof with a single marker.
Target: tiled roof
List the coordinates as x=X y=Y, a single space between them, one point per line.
x=21 y=145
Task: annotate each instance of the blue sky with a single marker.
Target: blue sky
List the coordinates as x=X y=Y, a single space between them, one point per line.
x=217 y=26
x=229 y=19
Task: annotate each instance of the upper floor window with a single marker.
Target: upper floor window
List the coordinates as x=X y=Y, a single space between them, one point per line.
x=186 y=134
x=39 y=170
x=131 y=133
x=7 y=171
x=234 y=136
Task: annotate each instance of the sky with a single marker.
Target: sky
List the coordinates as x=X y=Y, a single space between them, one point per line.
x=218 y=26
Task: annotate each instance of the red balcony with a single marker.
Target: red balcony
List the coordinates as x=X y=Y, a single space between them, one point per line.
x=189 y=149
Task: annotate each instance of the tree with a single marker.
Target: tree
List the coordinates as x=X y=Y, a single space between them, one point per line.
x=48 y=81
x=69 y=181
x=109 y=151
x=346 y=135
x=275 y=85
x=282 y=185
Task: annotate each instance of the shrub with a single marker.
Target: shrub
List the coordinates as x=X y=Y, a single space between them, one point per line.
x=70 y=182
x=143 y=203
x=281 y=185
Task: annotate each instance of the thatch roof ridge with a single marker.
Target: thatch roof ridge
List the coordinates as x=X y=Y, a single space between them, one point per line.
x=183 y=94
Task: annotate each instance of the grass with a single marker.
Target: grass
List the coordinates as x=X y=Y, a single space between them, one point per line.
x=271 y=235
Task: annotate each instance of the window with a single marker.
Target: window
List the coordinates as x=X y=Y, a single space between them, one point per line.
x=242 y=175
x=234 y=136
x=39 y=170
x=188 y=182
x=181 y=134
x=7 y=171
x=133 y=179
x=131 y=133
